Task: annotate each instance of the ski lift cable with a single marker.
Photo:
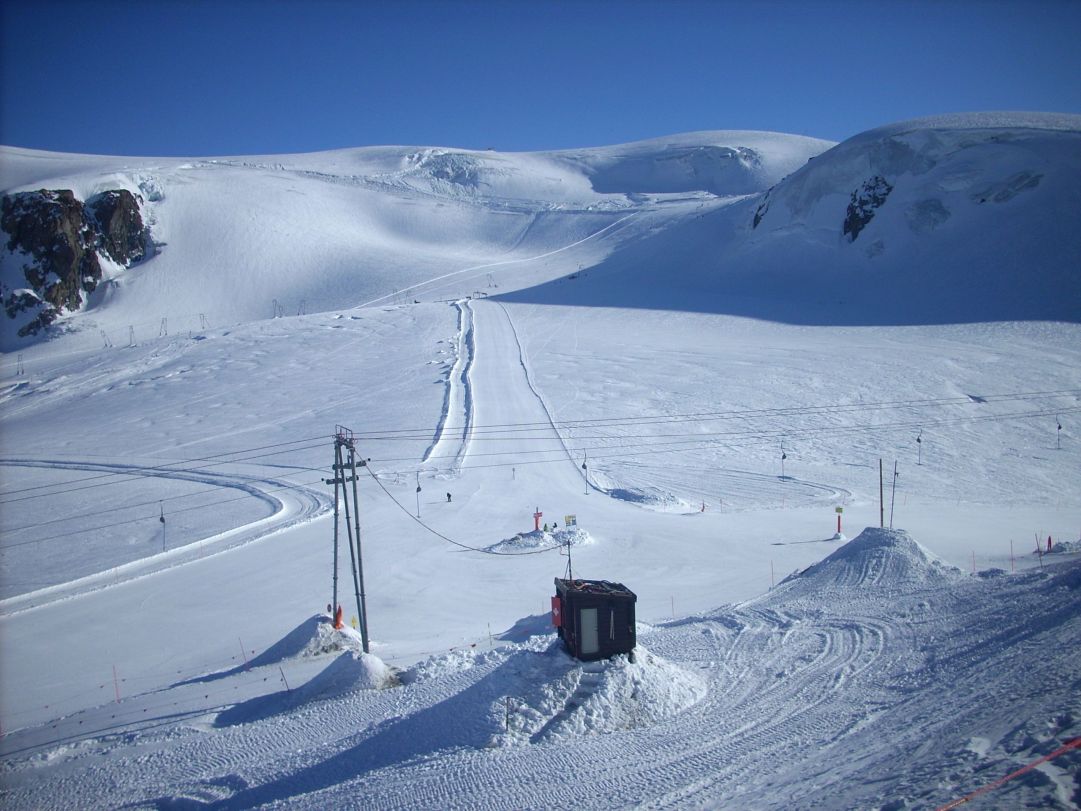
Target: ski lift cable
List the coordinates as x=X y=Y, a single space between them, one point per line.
x=451 y=540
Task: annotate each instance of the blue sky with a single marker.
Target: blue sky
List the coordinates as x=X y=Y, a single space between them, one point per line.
x=235 y=77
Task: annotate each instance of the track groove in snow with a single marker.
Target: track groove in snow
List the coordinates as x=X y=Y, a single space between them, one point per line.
x=292 y=504
x=449 y=445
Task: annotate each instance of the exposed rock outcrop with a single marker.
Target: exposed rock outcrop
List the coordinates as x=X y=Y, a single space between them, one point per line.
x=119 y=221
x=59 y=241
x=864 y=202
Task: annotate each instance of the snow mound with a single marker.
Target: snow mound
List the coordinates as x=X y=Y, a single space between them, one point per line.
x=652 y=498
x=558 y=698
x=542 y=539
x=882 y=558
x=349 y=672
x=328 y=639
x=442 y=666
x=313 y=637
x=1066 y=547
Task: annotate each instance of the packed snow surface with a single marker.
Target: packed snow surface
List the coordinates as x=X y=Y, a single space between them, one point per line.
x=606 y=334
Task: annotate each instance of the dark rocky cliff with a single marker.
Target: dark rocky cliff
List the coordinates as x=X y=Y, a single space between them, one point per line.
x=58 y=241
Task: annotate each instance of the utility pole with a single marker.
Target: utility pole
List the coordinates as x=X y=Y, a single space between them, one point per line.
x=360 y=562
x=345 y=461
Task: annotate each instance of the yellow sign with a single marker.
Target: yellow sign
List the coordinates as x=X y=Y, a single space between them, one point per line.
x=839 y=510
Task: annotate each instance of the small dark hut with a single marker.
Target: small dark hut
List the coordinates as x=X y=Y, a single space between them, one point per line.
x=594 y=618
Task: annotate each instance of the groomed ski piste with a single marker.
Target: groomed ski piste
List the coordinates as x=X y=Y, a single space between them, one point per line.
x=555 y=333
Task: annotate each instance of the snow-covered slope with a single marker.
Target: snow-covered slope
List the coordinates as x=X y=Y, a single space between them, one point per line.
x=247 y=238
x=940 y=220
x=862 y=695
x=166 y=527
x=959 y=218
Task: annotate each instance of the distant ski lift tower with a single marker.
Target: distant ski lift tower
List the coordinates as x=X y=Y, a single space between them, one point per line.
x=345 y=472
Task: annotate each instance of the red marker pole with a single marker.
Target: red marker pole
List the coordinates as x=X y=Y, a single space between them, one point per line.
x=536 y=519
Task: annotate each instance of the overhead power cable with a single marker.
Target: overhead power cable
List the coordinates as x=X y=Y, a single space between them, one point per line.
x=693 y=441
x=729 y=438
x=475 y=432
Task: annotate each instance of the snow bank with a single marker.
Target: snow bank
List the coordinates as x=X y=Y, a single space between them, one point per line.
x=632 y=693
x=542 y=539
x=881 y=558
x=552 y=697
x=328 y=639
x=349 y=672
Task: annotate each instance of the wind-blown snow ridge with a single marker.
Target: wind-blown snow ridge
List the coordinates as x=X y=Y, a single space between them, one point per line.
x=1067 y=122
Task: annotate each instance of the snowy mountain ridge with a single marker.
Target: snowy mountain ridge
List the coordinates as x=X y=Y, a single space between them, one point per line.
x=336 y=229
x=249 y=238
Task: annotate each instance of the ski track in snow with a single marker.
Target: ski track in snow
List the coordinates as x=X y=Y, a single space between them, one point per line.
x=432 y=283
x=523 y=362
x=796 y=682
x=873 y=678
x=292 y=504
x=452 y=444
